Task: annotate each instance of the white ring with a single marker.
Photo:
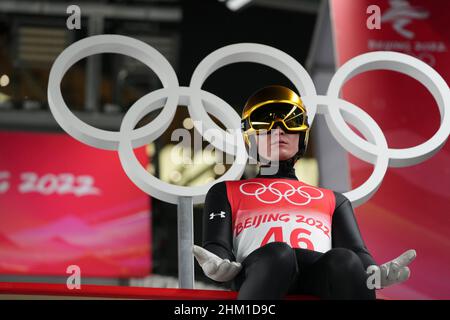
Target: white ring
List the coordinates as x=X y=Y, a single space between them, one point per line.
x=274 y=190
x=370 y=130
x=246 y=52
x=150 y=184
x=412 y=67
x=139 y=50
x=300 y=191
x=259 y=191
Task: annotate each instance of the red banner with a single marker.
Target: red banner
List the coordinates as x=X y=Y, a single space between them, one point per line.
x=411 y=208
x=64 y=203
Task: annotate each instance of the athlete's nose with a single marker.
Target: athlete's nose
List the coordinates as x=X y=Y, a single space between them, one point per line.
x=277 y=128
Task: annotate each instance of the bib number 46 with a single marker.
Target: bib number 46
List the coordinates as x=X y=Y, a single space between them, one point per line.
x=295 y=238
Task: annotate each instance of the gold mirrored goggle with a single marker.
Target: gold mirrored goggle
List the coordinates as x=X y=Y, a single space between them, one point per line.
x=261 y=119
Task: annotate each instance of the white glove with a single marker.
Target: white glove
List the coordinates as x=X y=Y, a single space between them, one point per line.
x=214 y=267
x=396 y=271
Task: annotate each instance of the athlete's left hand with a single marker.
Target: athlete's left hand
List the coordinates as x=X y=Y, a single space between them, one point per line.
x=397 y=271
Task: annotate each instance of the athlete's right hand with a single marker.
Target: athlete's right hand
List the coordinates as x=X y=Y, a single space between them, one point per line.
x=214 y=267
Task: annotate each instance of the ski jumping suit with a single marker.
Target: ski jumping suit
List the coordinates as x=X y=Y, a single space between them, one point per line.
x=290 y=237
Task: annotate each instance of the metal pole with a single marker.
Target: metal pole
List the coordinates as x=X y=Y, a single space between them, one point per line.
x=185 y=242
x=93 y=68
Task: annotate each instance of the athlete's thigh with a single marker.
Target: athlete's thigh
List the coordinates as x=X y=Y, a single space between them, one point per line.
x=267 y=257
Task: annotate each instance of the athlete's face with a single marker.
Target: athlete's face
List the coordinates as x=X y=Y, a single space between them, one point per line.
x=278 y=145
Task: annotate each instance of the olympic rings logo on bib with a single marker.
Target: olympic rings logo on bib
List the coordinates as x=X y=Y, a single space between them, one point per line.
x=337 y=112
x=291 y=195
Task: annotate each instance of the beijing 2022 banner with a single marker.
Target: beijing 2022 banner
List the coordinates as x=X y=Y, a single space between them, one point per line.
x=63 y=203
x=411 y=209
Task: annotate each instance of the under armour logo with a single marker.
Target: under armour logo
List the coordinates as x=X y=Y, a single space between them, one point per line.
x=221 y=214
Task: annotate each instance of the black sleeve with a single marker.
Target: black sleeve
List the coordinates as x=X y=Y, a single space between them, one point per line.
x=345 y=231
x=217 y=222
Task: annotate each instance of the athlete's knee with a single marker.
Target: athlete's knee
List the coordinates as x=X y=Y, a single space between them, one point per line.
x=279 y=251
x=343 y=263
x=279 y=256
x=346 y=275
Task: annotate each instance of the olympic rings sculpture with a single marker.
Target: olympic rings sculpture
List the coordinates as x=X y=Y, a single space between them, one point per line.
x=337 y=112
x=286 y=195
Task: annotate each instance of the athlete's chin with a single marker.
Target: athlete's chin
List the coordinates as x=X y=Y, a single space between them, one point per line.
x=281 y=156
x=285 y=156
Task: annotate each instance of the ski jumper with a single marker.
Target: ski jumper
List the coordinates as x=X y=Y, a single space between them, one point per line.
x=291 y=237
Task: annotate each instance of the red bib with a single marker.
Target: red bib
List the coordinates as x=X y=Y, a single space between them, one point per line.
x=279 y=210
